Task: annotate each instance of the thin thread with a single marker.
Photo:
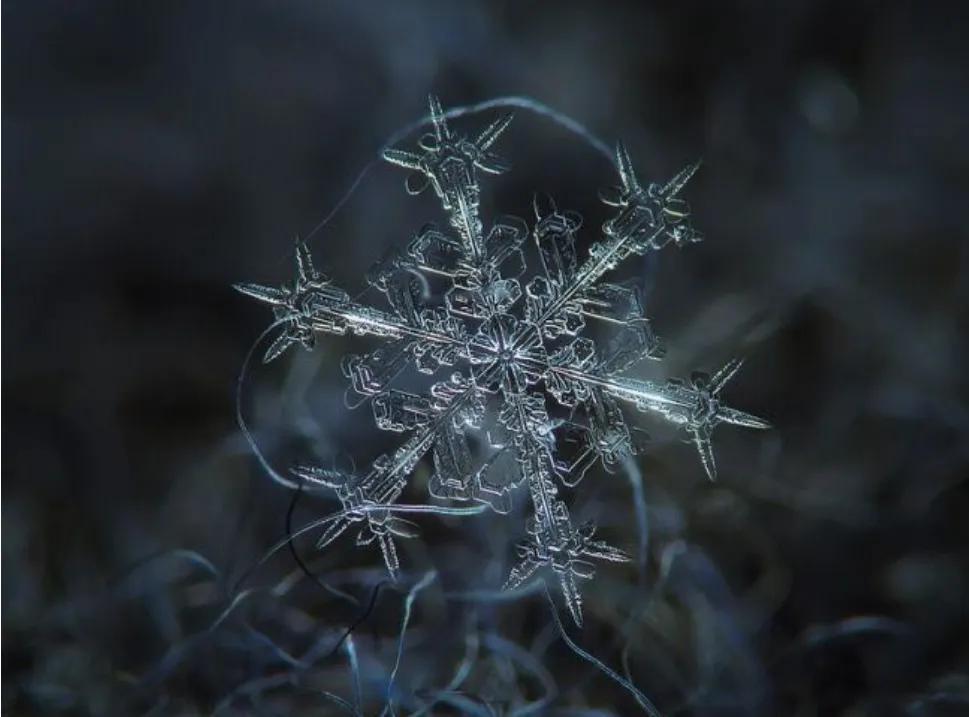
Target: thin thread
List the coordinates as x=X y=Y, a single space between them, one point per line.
x=336 y=592
x=359 y=620
x=240 y=419
x=642 y=699
x=408 y=605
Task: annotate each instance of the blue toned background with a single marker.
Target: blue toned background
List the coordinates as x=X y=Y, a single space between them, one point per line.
x=158 y=152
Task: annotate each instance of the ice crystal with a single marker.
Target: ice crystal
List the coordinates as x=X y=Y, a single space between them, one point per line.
x=506 y=345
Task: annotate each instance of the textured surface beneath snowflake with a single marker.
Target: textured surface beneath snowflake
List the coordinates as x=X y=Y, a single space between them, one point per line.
x=508 y=352
x=832 y=200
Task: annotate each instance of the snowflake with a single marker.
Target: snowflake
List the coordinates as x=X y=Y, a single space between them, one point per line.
x=510 y=346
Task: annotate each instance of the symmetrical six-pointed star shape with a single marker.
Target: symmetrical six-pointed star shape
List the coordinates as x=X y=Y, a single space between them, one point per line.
x=507 y=346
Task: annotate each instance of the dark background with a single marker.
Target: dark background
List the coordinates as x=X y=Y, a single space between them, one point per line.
x=155 y=153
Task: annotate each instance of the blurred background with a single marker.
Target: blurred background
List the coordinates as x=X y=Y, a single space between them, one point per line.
x=159 y=152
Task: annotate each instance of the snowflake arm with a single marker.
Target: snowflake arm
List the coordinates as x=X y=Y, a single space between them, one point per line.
x=554 y=542
x=449 y=163
x=696 y=407
x=314 y=304
x=648 y=220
